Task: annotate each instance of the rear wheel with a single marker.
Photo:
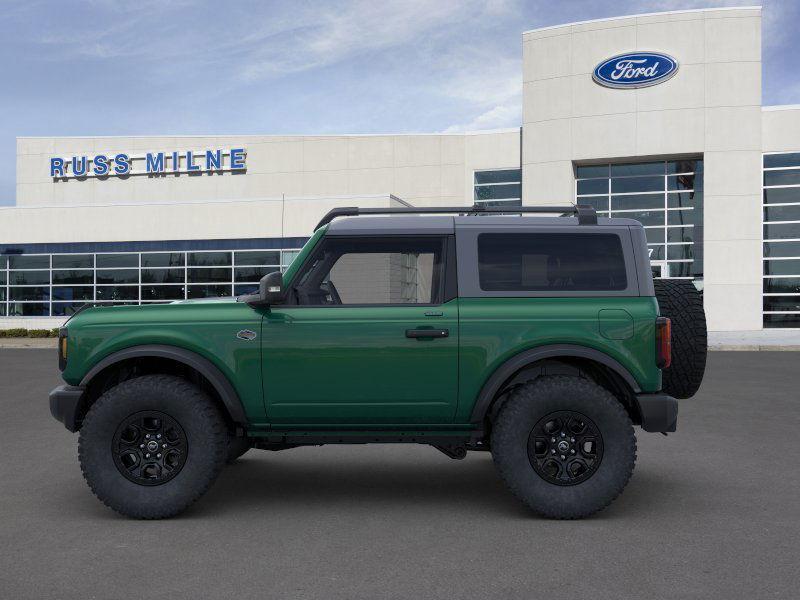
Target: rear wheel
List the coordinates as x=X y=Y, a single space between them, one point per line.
x=151 y=446
x=564 y=446
x=680 y=301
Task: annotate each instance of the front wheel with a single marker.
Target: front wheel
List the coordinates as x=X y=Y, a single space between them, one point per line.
x=564 y=446
x=151 y=446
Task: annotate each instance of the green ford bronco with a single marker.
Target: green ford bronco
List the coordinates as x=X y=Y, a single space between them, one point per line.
x=540 y=339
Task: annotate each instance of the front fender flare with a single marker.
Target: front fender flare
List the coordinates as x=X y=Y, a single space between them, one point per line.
x=205 y=367
x=519 y=361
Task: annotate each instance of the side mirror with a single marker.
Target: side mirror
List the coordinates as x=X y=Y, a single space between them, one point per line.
x=270 y=291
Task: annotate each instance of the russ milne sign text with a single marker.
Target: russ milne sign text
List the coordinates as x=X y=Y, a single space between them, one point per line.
x=151 y=163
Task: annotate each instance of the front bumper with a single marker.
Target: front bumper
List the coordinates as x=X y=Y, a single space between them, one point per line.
x=65 y=402
x=659 y=412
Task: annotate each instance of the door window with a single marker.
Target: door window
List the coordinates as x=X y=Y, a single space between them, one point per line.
x=352 y=271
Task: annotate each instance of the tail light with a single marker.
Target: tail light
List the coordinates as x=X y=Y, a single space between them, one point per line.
x=62 y=348
x=663 y=342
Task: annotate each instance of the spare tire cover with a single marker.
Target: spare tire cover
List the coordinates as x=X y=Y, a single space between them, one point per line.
x=680 y=301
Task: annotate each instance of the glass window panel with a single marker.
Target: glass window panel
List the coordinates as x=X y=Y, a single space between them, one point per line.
x=498 y=192
x=782 y=303
x=782 y=285
x=28 y=309
x=592 y=186
x=163 y=275
x=63 y=309
x=83 y=276
x=209 y=259
x=118 y=276
x=782 y=231
x=29 y=277
x=679 y=252
x=680 y=234
x=656 y=252
x=782 y=267
x=781 y=195
x=637 y=201
x=3 y=262
x=117 y=292
x=789 y=159
x=648 y=168
x=777 y=321
x=2 y=294
x=789 y=177
x=685 y=199
x=684 y=182
x=29 y=293
x=637 y=184
x=208 y=275
x=73 y=293
x=22 y=261
x=684 y=166
x=117 y=260
x=772 y=249
x=654 y=235
x=645 y=217
x=162 y=292
x=498 y=176
x=782 y=213
x=508 y=203
x=239 y=290
x=2 y=277
x=550 y=262
x=683 y=217
x=163 y=259
x=679 y=269
x=289 y=256
x=2 y=310
x=599 y=202
x=209 y=291
x=251 y=273
x=587 y=171
x=257 y=257
x=73 y=261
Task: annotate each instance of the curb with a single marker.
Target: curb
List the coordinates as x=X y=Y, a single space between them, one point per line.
x=753 y=348
x=13 y=343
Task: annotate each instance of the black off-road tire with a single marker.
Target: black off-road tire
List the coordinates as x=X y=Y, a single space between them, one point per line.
x=237 y=447
x=206 y=441
x=680 y=301
x=531 y=403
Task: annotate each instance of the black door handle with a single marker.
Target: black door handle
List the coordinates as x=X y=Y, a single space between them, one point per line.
x=422 y=334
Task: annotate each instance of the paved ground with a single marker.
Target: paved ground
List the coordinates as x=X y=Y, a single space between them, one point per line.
x=712 y=512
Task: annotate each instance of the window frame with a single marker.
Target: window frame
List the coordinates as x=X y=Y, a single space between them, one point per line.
x=444 y=292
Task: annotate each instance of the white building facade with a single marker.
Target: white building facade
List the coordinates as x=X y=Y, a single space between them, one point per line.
x=689 y=151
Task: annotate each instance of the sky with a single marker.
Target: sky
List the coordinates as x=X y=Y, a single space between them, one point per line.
x=160 y=67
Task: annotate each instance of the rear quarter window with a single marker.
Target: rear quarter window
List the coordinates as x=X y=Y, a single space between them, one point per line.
x=551 y=262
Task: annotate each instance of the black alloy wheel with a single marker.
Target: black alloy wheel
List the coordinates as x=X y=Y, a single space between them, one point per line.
x=150 y=448
x=565 y=448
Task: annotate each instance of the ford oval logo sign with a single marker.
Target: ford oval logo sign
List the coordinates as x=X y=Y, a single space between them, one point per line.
x=635 y=70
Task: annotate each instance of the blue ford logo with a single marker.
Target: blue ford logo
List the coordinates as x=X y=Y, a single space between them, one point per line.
x=635 y=70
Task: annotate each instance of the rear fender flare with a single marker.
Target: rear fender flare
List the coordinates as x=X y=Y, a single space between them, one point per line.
x=523 y=359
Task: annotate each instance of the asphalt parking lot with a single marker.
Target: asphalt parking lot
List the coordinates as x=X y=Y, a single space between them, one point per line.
x=712 y=511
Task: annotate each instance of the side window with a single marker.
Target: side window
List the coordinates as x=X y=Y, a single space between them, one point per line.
x=349 y=271
x=550 y=262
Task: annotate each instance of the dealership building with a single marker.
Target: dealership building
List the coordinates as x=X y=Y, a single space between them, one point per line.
x=654 y=117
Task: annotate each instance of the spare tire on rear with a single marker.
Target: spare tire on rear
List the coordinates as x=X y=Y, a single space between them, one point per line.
x=680 y=301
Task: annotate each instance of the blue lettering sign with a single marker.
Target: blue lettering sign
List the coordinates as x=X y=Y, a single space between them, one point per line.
x=176 y=162
x=123 y=165
x=79 y=166
x=100 y=164
x=154 y=163
x=213 y=159
x=635 y=70
x=190 y=166
x=56 y=167
x=237 y=159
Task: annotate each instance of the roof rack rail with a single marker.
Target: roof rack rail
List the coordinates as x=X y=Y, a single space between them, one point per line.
x=586 y=214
